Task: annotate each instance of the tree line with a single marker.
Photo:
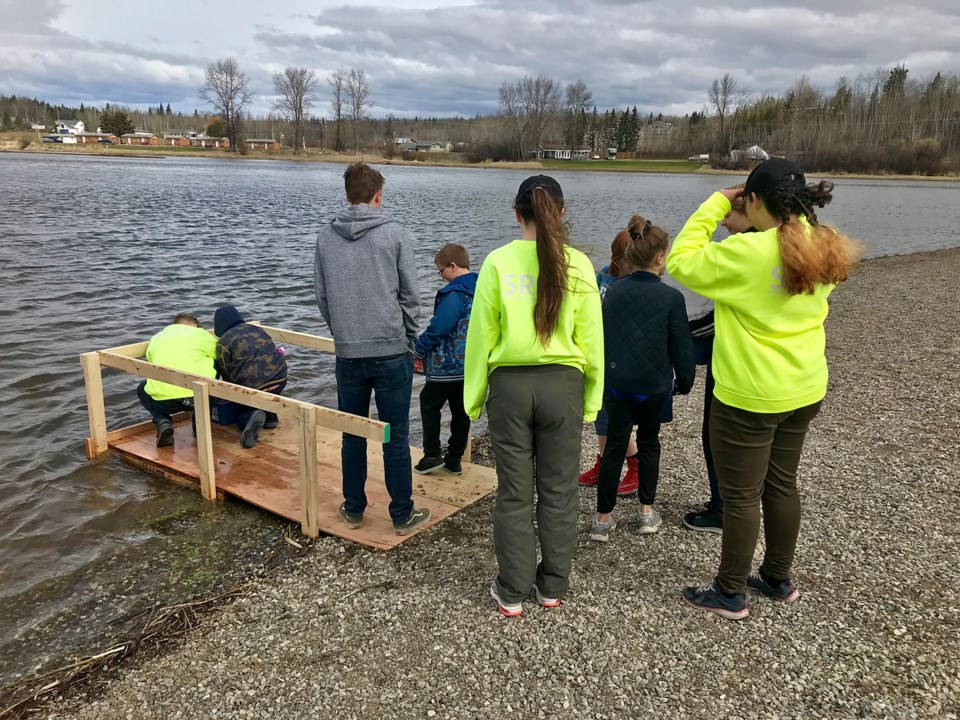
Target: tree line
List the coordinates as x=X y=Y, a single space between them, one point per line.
x=884 y=121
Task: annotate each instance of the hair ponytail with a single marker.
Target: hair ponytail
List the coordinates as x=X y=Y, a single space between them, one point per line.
x=815 y=254
x=646 y=241
x=552 y=259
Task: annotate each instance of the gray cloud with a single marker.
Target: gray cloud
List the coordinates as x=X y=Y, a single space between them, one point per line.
x=450 y=59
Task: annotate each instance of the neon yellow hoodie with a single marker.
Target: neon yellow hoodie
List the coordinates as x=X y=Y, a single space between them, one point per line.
x=502 y=332
x=768 y=356
x=181 y=347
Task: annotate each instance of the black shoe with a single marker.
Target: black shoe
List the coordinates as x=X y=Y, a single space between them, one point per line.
x=709 y=598
x=164 y=433
x=271 y=424
x=784 y=591
x=251 y=433
x=708 y=520
x=418 y=516
x=428 y=464
x=452 y=464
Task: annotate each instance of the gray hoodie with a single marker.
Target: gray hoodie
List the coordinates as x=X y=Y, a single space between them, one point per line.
x=365 y=278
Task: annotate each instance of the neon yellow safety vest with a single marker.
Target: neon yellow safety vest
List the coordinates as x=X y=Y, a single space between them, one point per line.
x=181 y=347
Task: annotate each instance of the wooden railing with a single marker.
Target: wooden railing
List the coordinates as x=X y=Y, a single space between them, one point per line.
x=309 y=416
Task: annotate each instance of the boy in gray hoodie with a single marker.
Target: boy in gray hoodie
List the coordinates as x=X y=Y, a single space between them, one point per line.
x=365 y=278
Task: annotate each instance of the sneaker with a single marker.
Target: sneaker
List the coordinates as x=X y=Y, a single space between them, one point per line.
x=545 y=601
x=271 y=424
x=709 y=598
x=351 y=521
x=601 y=531
x=591 y=476
x=506 y=609
x=650 y=522
x=631 y=481
x=428 y=464
x=452 y=464
x=786 y=591
x=164 y=433
x=251 y=433
x=708 y=520
x=418 y=516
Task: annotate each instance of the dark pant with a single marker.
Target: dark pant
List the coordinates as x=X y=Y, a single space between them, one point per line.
x=536 y=420
x=390 y=380
x=161 y=410
x=756 y=456
x=433 y=397
x=623 y=415
x=243 y=412
x=716 y=502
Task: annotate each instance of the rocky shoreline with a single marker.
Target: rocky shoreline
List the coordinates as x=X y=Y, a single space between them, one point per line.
x=412 y=633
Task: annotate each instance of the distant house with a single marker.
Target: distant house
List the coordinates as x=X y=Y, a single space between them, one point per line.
x=69 y=127
x=139 y=138
x=660 y=127
x=97 y=137
x=262 y=144
x=545 y=152
x=174 y=134
x=433 y=146
x=206 y=141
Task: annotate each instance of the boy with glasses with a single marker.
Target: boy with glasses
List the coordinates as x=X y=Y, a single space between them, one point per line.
x=442 y=347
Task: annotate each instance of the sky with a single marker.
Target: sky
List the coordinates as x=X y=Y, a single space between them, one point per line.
x=442 y=58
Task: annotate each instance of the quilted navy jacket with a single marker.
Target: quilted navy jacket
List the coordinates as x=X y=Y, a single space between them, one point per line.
x=646 y=337
x=443 y=345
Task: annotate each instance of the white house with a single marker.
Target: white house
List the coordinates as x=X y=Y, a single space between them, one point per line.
x=66 y=127
x=433 y=146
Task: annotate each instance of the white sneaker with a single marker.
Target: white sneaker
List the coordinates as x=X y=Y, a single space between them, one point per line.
x=506 y=609
x=601 y=531
x=650 y=522
x=546 y=601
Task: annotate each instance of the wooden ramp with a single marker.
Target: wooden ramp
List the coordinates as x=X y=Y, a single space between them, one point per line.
x=268 y=476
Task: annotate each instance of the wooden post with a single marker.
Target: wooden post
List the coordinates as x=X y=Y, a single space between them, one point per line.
x=468 y=452
x=309 y=482
x=201 y=412
x=93 y=382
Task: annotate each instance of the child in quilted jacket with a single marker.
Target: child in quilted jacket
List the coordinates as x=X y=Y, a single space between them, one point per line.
x=442 y=347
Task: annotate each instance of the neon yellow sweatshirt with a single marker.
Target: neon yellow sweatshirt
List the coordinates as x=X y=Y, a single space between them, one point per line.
x=181 y=347
x=502 y=332
x=768 y=355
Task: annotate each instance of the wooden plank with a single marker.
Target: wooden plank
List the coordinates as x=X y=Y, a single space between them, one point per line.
x=292 y=337
x=96 y=414
x=134 y=350
x=468 y=451
x=309 y=489
x=287 y=407
x=201 y=408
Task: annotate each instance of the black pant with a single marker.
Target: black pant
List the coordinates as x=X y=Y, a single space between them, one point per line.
x=432 y=399
x=161 y=410
x=244 y=411
x=623 y=415
x=716 y=502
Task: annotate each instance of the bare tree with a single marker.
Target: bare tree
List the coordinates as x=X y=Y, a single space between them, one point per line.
x=530 y=105
x=721 y=95
x=338 y=86
x=295 y=87
x=227 y=91
x=578 y=99
x=358 y=97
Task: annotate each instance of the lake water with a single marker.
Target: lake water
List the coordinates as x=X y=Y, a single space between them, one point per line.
x=97 y=252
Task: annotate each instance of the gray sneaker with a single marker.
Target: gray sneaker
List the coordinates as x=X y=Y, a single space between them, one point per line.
x=351 y=521
x=601 y=531
x=650 y=523
x=418 y=516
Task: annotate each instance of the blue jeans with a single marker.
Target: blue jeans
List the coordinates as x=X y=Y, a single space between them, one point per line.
x=390 y=380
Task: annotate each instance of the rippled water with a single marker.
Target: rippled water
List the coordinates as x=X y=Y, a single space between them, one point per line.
x=96 y=252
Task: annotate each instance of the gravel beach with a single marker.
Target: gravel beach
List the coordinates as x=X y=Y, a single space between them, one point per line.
x=345 y=632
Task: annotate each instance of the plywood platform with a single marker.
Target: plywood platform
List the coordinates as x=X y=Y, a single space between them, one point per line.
x=268 y=476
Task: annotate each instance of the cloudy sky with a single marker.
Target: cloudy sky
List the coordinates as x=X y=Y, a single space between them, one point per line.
x=449 y=57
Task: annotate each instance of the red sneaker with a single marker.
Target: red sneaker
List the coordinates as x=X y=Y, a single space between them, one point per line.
x=591 y=476
x=631 y=482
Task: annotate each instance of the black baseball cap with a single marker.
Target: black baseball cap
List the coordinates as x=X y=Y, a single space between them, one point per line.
x=525 y=193
x=774 y=173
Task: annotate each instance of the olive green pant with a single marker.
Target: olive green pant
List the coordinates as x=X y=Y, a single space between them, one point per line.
x=756 y=456
x=535 y=416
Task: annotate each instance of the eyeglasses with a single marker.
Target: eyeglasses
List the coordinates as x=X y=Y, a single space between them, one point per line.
x=440 y=270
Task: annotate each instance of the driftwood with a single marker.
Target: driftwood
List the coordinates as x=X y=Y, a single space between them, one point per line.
x=149 y=630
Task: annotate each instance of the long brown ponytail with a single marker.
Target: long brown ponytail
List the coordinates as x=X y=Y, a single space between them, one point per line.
x=546 y=212
x=818 y=255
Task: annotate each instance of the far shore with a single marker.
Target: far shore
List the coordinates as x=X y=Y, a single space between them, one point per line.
x=448 y=160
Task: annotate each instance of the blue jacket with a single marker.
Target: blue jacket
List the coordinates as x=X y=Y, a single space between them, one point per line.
x=443 y=344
